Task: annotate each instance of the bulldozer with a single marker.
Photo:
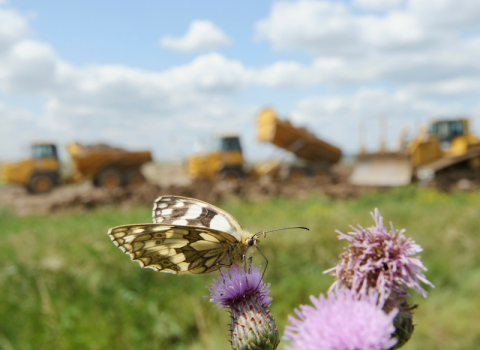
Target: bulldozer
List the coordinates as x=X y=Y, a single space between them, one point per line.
x=103 y=165
x=446 y=152
x=225 y=161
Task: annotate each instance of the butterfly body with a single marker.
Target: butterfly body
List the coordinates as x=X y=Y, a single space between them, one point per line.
x=187 y=236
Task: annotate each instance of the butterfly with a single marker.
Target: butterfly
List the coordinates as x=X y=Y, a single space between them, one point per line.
x=187 y=236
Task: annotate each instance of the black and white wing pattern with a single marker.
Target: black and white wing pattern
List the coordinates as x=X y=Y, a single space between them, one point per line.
x=177 y=249
x=187 y=236
x=193 y=212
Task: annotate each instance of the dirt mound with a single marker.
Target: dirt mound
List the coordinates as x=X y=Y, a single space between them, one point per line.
x=81 y=197
x=85 y=197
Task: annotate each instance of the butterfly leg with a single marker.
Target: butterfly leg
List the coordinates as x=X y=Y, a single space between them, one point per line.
x=247 y=263
x=222 y=265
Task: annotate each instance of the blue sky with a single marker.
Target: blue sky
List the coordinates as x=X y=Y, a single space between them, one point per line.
x=127 y=32
x=141 y=74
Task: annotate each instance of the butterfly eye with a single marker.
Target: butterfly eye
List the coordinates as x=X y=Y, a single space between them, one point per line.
x=250 y=242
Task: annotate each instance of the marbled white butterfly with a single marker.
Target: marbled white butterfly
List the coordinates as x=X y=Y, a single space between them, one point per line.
x=187 y=236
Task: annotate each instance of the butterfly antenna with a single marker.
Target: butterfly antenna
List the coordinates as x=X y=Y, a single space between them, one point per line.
x=264 y=235
x=279 y=229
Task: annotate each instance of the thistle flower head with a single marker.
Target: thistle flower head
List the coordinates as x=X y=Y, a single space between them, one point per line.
x=245 y=295
x=380 y=258
x=236 y=284
x=344 y=320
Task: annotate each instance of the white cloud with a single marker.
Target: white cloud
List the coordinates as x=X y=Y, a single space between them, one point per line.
x=19 y=128
x=115 y=102
x=209 y=73
x=397 y=30
x=426 y=72
x=13 y=27
x=377 y=5
x=29 y=67
x=326 y=28
x=105 y=101
x=339 y=119
x=201 y=36
x=406 y=45
x=335 y=71
x=446 y=15
x=459 y=86
x=333 y=28
x=286 y=75
x=317 y=26
x=365 y=103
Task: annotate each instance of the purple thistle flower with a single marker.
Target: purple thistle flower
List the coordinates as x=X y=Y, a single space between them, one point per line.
x=385 y=261
x=245 y=295
x=344 y=320
x=236 y=283
x=381 y=259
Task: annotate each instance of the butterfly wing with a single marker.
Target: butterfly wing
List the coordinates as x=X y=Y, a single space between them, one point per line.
x=177 y=249
x=177 y=210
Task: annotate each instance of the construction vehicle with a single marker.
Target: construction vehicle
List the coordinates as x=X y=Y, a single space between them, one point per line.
x=103 y=165
x=39 y=174
x=447 y=150
x=225 y=161
x=314 y=156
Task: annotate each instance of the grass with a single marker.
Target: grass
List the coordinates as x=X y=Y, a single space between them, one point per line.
x=64 y=285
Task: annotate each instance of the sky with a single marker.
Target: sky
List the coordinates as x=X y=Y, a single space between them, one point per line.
x=167 y=75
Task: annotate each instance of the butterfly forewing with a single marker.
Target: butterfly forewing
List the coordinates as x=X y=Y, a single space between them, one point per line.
x=177 y=248
x=193 y=212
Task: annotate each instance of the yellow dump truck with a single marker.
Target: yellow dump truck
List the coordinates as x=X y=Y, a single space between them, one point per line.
x=446 y=150
x=317 y=156
x=223 y=159
x=103 y=165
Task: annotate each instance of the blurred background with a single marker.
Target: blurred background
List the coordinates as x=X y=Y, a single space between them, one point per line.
x=283 y=113
x=163 y=75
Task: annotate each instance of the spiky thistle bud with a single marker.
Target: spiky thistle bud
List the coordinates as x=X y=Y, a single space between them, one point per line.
x=243 y=292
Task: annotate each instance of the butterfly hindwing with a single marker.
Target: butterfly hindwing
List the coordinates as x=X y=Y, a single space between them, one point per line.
x=193 y=212
x=176 y=248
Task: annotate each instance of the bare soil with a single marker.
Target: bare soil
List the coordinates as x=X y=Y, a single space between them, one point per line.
x=170 y=180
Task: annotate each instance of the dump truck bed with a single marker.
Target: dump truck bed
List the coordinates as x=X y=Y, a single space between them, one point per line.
x=89 y=161
x=296 y=140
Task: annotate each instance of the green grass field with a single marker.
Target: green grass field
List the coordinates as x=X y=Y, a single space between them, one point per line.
x=64 y=285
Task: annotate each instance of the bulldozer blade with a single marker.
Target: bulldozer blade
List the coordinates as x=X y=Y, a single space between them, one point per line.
x=382 y=169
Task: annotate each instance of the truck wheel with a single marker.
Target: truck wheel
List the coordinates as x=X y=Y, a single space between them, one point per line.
x=109 y=178
x=295 y=175
x=40 y=183
x=134 y=178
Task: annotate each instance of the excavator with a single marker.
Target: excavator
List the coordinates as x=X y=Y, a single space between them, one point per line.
x=446 y=152
x=225 y=160
x=105 y=166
